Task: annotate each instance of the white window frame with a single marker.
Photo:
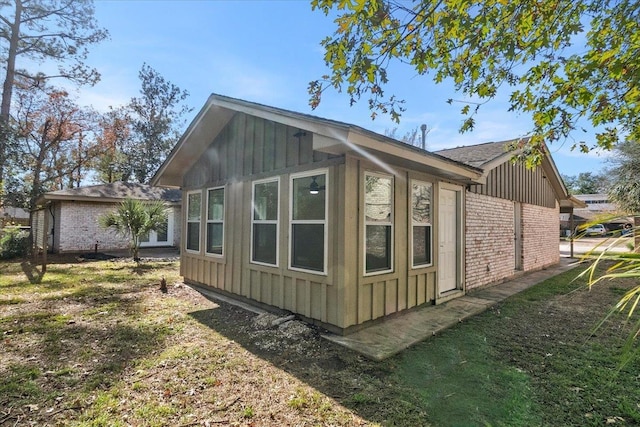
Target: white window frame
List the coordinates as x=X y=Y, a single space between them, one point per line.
x=388 y=223
x=207 y=221
x=414 y=223
x=324 y=222
x=187 y=221
x=276 y=221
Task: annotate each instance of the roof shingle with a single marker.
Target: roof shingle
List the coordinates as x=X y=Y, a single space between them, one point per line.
x=119 y=191
x=476 y=155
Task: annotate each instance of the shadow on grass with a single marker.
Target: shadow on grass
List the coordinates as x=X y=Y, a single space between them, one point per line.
x=141 y=268
x=521 y=363
x=421 y=386
x=81 y=357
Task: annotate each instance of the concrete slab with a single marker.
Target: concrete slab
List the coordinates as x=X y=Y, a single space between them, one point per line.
x=391 y=336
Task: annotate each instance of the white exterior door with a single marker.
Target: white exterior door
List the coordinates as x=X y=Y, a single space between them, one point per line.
x=449 y=234
x=161 y=237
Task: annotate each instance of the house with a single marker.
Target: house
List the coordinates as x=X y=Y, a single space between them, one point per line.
x=343 y=226
x=512 y=217
x=596 y=208
x=11 y=215
x=71 y=217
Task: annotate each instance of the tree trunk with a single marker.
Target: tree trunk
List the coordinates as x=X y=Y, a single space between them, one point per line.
x=7 y=91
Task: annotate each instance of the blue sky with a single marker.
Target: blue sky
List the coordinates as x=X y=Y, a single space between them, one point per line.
x=267 y=52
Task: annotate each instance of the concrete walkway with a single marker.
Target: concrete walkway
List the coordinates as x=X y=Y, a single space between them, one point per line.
x=393 y=335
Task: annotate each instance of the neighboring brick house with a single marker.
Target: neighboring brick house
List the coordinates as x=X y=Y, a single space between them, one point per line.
x=10 y=215
x=71 y=217
x=512 y=219
x=343 y=226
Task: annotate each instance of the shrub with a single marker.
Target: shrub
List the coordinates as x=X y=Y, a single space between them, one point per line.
x=14 y=242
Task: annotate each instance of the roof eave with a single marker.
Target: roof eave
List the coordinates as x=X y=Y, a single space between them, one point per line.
x=212 y=118
x=368 y=141
x=95 y=199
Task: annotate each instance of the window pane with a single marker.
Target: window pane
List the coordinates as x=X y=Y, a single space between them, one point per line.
x=421 y=245
x=193 y=236
x=307 y=206
x=144 y=238
x=378 y=256
x=308 y=246
x=378 y=198
x=421 y=202
x=194 y=207
x=215 y=210
x=214 y=238
x=264 y=243
x=161 y=232
x=265 y=203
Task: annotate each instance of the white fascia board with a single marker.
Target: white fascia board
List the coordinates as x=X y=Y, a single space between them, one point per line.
x=300 y=121
x=202 y=131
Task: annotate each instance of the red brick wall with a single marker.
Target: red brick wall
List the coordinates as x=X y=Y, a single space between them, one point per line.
x=490 y=250
x=540 y=231
x=489 y=240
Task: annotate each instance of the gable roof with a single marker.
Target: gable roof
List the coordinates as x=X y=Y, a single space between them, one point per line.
x=469 y=164
x=116 y=192
x=480 y=155
x=329 y=136
x=492 y=154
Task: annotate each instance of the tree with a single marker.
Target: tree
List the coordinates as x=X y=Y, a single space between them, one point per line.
x=114 y=135
x=414 y=137
x=134 y=219
x=567 y=62
x=625 y=192
x=55 y=137
x=586 y=183
x=156 y=118
x=624 y=174
x=40 y=31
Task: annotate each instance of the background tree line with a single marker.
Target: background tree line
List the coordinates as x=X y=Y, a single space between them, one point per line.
x=49 y=142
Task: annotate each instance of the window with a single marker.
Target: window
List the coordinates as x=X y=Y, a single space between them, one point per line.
x=308 y=242
x=193 y=221
x=378 y=222
x=264 y=222
x=421 y=236
x=215 y=221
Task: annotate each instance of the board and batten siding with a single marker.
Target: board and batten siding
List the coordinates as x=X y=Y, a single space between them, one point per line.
x=249 y=149
x=379 y=295
x=515 y=182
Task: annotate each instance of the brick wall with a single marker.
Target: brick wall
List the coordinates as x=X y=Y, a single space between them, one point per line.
x=490 y=250
x=489 y=254
x=79 y=230
x=540 y=228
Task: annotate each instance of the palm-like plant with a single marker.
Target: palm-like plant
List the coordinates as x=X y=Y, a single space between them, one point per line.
x=134 y=219
x=618 y=265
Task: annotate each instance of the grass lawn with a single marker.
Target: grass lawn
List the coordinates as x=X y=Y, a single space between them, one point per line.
x=97 y=344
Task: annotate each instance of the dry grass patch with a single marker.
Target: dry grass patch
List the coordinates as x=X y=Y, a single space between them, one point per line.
x=97 y=344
